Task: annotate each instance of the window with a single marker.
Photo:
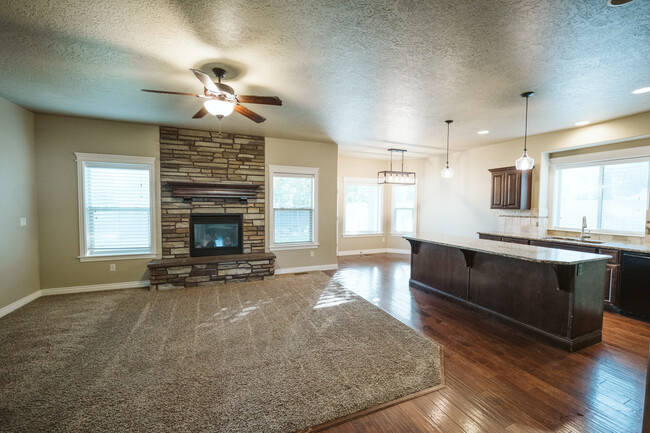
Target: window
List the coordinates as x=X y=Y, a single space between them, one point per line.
x=403 y=210
x=612 y=194
x=116 y=215
x=363 y=207
x=294 y=198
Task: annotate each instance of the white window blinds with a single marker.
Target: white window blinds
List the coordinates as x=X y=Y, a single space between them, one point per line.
x=613 y=195
x=116 y=208
x=293 y=208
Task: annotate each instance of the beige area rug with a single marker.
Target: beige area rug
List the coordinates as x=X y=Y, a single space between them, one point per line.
x=272 y=356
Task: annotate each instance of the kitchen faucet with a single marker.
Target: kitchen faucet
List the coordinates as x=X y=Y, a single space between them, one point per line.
x=584 y=235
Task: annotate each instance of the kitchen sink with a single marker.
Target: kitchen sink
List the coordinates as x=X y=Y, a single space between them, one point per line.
x=562 y=238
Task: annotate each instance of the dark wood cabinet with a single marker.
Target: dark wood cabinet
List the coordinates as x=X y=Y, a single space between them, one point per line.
x=515 y=240
x=611 y=294
x=489 y=237
x=511 y=188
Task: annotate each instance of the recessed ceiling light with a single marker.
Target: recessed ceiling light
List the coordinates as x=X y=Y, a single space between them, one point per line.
x=641 y=90
x=582 y=123
x=483 y=132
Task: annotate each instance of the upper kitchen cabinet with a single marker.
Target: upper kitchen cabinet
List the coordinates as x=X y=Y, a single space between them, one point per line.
x=511 y=188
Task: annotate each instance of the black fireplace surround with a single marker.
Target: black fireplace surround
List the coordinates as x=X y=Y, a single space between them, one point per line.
x=215 y=234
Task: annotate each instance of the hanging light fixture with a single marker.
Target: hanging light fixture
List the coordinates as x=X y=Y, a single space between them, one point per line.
x=396 y=177
x=525 y=162
x=447 y=172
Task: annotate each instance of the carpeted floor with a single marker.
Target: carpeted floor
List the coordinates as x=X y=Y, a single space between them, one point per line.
x=272 y=356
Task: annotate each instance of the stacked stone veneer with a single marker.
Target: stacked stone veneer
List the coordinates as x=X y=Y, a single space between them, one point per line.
x=208 y=271
x=209 y=157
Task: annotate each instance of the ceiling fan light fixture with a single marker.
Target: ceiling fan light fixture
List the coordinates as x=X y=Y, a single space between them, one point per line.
x=219 y=107
x=525 y=162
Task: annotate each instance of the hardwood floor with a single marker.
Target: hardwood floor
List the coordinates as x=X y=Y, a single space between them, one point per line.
x=497 y=379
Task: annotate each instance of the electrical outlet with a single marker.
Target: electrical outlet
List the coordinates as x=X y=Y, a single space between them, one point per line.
x=112 y=267
x=580 y=269
x=383 y=239
x=311 y=254
x=23 y=221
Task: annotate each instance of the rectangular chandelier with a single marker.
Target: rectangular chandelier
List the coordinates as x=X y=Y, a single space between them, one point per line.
x=396 y=177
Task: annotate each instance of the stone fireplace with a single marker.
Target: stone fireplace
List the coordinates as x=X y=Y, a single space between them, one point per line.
x=205 y=175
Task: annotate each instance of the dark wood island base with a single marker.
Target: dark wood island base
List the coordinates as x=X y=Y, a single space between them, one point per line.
x=543 y=292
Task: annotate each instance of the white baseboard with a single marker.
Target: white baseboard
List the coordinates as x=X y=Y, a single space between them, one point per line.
x=94 y=288
x=398 y=251
x=306 y=269
x=373 y=251
x=19 y=303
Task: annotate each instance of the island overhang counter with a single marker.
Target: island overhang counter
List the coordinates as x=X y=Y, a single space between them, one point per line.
x=556 y=295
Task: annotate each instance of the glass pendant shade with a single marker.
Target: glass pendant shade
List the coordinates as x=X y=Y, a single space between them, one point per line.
x=525 y=162
x=218 y=107
x=447 y=172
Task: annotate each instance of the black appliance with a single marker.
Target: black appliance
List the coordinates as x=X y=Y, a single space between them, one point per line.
x=635 y=284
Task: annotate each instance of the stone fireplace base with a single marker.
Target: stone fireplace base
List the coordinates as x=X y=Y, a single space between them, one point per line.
x=205 y=271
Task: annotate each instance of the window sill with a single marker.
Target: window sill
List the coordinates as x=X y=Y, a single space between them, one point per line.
x=117 y=257
x=294 y=247
x=402 y=234
x=362 y=235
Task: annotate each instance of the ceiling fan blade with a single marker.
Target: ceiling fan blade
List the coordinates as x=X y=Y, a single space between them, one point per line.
x=202 y=112
x=206 y=80
x=173 y=93
x=248 y=113
x=267 y=100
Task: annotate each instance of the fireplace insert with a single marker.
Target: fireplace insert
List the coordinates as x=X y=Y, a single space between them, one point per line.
x=215 y=234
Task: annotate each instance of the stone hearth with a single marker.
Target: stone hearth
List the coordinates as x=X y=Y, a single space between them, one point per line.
x=209 y=159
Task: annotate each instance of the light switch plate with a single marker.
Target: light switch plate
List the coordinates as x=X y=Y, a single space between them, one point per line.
x=23 y=221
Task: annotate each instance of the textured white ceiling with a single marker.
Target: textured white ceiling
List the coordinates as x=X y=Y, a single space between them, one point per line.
x=367 y=74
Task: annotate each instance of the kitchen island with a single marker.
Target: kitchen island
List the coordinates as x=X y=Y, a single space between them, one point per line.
x=553 y=294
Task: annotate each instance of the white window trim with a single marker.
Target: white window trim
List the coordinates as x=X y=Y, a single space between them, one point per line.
x=394 y=232
x=288 y=170
x=99 y=157
x=591 y=159
x=364 y=181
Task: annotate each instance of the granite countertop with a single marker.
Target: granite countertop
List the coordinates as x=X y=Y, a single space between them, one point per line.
x=515 y=251
x=639 y=248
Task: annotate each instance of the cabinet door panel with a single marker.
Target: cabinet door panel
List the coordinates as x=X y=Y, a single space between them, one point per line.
x=512 y=190
x=497 y=190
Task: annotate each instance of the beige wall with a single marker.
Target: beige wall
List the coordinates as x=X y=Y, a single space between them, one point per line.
x=461 y=205
x=18 y=245
x=57 y=138
x=308 y=154
x=368 y=168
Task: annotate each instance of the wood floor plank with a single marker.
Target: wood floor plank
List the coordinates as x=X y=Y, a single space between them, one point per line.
x=498 y=379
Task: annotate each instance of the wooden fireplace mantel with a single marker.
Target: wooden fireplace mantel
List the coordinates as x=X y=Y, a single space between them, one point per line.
x=190 y=190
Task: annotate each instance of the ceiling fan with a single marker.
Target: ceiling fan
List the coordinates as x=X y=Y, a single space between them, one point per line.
x=221 y=100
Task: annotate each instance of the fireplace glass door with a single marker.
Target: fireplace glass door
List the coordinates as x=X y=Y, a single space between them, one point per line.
x=215 y=234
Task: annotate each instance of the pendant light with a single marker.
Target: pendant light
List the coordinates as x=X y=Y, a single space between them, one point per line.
x=396 y=177
x=447 y=172
x=525 y=162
